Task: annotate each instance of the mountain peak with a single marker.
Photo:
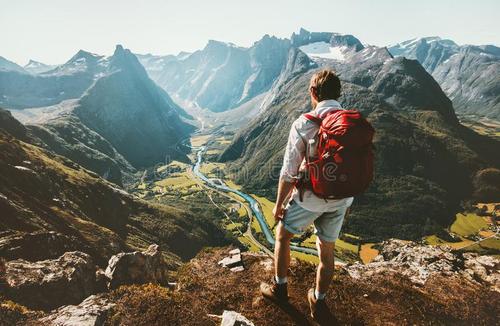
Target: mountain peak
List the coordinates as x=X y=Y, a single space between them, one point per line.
x=123 y=57
x=7 y=65
x=119 y=48
x=83 y=55
x=346 y=40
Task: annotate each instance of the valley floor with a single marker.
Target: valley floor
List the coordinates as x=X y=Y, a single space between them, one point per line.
x=469 y=232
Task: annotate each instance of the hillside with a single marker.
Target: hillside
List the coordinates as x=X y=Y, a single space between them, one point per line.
x=415 y=124
x=42 y=192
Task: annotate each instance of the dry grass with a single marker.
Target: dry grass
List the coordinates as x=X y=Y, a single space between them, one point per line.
x=206 y=288
x=199 y=140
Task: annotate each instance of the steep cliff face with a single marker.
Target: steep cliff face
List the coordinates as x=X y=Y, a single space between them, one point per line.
x=133 y=114
x=222 y=76
x=20 y=89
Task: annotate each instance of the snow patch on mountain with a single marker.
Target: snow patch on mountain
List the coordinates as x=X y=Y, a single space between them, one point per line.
x=324 y=50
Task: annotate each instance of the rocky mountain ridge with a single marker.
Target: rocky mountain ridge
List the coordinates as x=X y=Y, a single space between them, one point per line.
x=122 y=121
x=468 y=74
x=221 y=76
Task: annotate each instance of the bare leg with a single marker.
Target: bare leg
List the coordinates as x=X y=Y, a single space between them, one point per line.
x=282 y=251
x=326 y=265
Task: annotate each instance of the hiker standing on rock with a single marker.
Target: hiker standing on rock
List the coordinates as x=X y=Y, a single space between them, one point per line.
x=328 y=160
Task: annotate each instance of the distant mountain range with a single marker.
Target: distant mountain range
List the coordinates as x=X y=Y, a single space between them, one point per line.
x=468 y=74
x=221 y=76
x=104 y=113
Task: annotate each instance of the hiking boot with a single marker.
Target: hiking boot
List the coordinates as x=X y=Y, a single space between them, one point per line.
x=319 y=310
x=274 y=291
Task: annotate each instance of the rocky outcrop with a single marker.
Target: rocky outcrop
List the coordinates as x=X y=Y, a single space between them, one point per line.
x=137 y=268
x=93 y=311
x=49 y=284
x=419 y=263
x=36 y=246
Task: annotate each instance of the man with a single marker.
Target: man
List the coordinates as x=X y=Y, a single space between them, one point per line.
x=303 y=210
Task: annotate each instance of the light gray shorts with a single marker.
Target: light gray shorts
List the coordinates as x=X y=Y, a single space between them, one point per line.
x=327 y=225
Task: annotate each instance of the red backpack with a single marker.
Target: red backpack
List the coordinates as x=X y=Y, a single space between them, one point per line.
x=342 y=165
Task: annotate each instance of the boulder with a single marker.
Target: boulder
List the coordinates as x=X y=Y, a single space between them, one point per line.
x=93 y=311
x=137 y=268
x=232 y=318
x=48 y=284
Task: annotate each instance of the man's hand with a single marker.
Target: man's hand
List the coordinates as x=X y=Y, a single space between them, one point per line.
x=278 y=212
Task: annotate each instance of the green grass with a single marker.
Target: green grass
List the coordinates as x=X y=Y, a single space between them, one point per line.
x=208 y=168
x=223 y=141
x=468 y=224
x=242 y=212
x=178 y=181
x=267 y=208
x=249 y=243
x=232 y=226
x=199 y=140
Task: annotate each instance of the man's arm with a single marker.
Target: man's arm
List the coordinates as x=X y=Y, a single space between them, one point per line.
x=284 y=189
x=294 y=155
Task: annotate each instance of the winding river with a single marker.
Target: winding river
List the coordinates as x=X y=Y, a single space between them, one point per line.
x=254 y=205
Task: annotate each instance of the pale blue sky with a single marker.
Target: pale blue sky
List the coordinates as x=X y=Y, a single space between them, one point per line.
x=51 y=31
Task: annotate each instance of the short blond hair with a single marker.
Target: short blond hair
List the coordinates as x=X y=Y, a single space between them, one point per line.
x=326 y=85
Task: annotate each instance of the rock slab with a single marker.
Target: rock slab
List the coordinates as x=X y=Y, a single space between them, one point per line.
x=48 y=284
x=137 y=268
x=233 y=318
x=93 y=311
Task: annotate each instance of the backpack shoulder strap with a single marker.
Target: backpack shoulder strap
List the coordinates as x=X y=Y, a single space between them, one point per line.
x=313 y=118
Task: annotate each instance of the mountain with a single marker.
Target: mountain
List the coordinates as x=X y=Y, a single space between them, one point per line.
x=221 y=76
x=468 y=74
x=133 y=114
x=19 y=89
x=35 y=67
x=6 y=65
x=42 y=192
x=417 y=138
x=122 y=122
